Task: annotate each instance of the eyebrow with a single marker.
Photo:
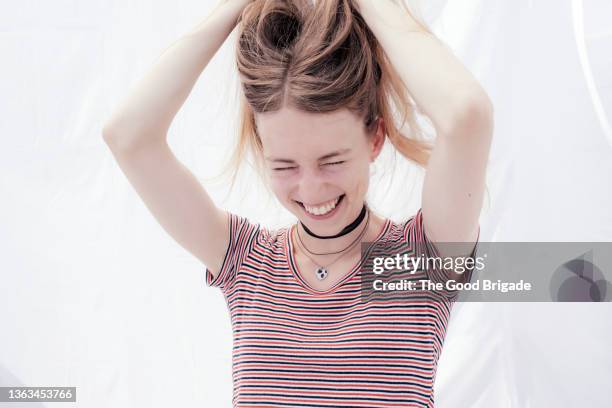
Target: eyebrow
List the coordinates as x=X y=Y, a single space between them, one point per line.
x=324 y=157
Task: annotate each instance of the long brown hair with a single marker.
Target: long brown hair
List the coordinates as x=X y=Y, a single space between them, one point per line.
x=319 y=57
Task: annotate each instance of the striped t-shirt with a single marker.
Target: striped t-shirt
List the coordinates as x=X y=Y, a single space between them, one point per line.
x=295 y=346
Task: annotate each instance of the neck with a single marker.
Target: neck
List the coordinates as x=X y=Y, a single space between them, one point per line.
x=335 y=244
x=345 y=231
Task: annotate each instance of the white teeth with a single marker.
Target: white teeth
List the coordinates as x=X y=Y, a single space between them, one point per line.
x=322 y=210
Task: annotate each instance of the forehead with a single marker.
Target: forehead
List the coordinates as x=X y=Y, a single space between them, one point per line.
x=291 y=131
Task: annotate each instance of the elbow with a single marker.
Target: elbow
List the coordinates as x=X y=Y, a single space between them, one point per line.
x=115 y=139
x=111 y=132
x=107 y=134
x=122 y=139
x=470 y=115
x=474 y=115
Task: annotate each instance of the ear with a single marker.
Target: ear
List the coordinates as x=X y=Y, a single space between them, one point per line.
x=377 y=140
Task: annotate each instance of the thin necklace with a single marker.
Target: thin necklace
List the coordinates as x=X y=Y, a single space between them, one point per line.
x=322 y=271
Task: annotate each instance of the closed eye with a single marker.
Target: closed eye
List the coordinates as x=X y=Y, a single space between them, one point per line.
x=325 y=164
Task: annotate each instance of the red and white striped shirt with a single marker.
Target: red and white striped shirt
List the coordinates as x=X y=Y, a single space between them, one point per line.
x=295 y=346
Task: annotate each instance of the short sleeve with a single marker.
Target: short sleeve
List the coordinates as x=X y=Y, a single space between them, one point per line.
x=415 y=236
x=242 y=234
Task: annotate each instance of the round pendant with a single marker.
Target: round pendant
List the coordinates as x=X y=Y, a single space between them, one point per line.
x=321 y=273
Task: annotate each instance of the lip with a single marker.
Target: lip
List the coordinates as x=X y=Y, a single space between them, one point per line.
x=326 y=216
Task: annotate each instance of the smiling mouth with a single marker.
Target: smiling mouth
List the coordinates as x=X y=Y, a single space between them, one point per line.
x=323 y=209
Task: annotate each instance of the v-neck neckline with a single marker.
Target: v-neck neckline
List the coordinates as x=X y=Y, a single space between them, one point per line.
x=293 y=266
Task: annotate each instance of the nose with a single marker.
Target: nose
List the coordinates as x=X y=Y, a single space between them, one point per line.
x=311 y=186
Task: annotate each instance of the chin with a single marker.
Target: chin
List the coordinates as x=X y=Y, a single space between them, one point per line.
x=325 y=223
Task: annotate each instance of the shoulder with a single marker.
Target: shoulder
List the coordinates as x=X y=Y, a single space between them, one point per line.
x=260 y=236
x=400 y=230
x=250 y=244
x=272 y=238
x=412 y=228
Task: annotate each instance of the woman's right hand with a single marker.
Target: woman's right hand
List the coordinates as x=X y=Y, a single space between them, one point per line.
x=234 y=7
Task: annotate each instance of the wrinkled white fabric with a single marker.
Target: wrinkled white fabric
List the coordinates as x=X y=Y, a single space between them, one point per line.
x=94 y=294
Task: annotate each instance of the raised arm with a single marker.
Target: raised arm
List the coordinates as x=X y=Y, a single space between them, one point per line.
x=136 y=134
x=459 y=109
x=149 y=109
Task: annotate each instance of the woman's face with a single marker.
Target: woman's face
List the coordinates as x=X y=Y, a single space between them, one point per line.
x=318 y=164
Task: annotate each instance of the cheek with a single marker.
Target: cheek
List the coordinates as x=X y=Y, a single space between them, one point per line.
x=359 y=177
x=281 y=186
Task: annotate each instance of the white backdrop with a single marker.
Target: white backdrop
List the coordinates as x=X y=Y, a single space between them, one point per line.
x=94 y=294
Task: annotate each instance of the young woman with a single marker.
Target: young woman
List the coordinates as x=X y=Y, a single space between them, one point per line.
x=322 y=84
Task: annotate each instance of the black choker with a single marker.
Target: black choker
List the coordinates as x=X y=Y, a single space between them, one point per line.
x=346 y=229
